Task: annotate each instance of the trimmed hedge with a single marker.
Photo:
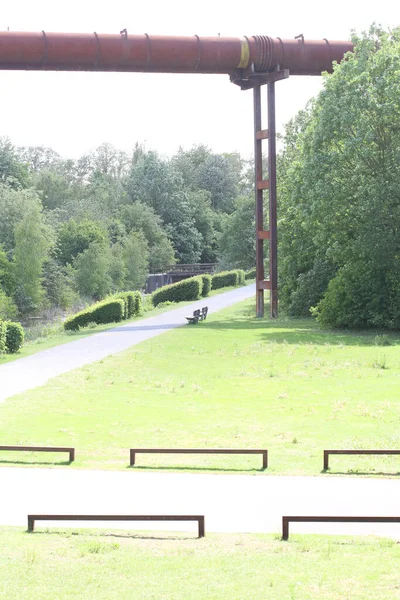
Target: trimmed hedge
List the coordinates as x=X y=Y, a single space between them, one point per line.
x=206 y=285
x=241 y=277
x=108 y=311
x=14 y=337
x=250 y=274
x=138 y=304
x=132 y=301
x=187 y=289
x=124 y=297
x=225 y=279
x=3 y=337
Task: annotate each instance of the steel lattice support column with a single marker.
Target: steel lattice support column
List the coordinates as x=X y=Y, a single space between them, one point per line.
x=256 y=82
x=258 y=183
x=273 y=224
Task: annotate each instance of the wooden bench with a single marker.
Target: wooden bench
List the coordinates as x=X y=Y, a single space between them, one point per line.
x=287 y=520
x=204 y=313
x=328 y=452
x=198 y=518
x=71 y=451
x=198 y=315
x=134 y=451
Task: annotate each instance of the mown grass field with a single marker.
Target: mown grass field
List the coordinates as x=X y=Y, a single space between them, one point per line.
x=109 y=565
x=231 y=381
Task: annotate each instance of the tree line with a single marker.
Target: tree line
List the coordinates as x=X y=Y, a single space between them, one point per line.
x=73 y=231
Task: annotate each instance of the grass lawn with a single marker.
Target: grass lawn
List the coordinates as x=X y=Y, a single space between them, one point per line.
x=107 y=565
x=231 y=381
x=56 y=336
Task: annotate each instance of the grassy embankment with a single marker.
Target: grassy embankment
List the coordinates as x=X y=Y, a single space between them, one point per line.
x=112 y=565
x=231 y=381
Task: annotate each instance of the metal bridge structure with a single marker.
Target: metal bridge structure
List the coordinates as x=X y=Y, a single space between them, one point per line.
x=251 y=63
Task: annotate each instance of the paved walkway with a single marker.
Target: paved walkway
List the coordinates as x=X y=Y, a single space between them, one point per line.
x=230 y=503
x=35 y=370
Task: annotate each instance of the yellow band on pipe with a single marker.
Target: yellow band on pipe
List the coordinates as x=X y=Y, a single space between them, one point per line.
x=244 y=54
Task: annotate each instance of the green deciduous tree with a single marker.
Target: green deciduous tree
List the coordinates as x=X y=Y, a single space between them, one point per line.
x=91 y=270
x=74 y=237
x=340 y=205
x=32 y=245
x=12 y=170
x=118 y=270
x=7 y=279
x=140 y=217
x=136 y=257
x=237 y=245
x=8 y=308
x=159 y=184
x=14 y=205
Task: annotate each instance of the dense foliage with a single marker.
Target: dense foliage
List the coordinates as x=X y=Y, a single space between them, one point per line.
x=227 y=279
x=250 y=274
x=107 y=311
x=11 y=337
x=14 y=337
x=187 y=289
x=72 y=232
x=3 y=337
x=340 y=193
x=206 y=289
x=132 y=302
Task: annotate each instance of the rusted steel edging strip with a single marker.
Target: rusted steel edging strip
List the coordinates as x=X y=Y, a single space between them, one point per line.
x=378 y=452
x=71 y=451
x=298 y=519
x=198 y=518
x=134 y=451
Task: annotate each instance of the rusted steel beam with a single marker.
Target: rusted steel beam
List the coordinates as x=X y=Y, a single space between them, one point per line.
x=165 y=54
x=263 y=184
x=262 y=135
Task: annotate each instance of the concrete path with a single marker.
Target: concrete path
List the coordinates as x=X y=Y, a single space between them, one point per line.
x=33 y=371
x=230 y=503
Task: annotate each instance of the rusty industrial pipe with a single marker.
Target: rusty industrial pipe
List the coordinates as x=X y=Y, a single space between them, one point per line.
x=161 y=54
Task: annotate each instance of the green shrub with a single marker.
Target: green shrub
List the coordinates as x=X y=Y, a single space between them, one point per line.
x=188 y=289
x=137 y=304
x=3 y=337
x=108 y=311
x=133 y=303
x=206 y=285
x=250 y=274
x=15 y=336
x=241 y=276
x=225 y=279
x=124 y=296
x=310 y=288
x=348 y=301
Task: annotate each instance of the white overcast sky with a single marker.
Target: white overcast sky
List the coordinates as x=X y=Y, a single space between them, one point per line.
x=75 y=112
